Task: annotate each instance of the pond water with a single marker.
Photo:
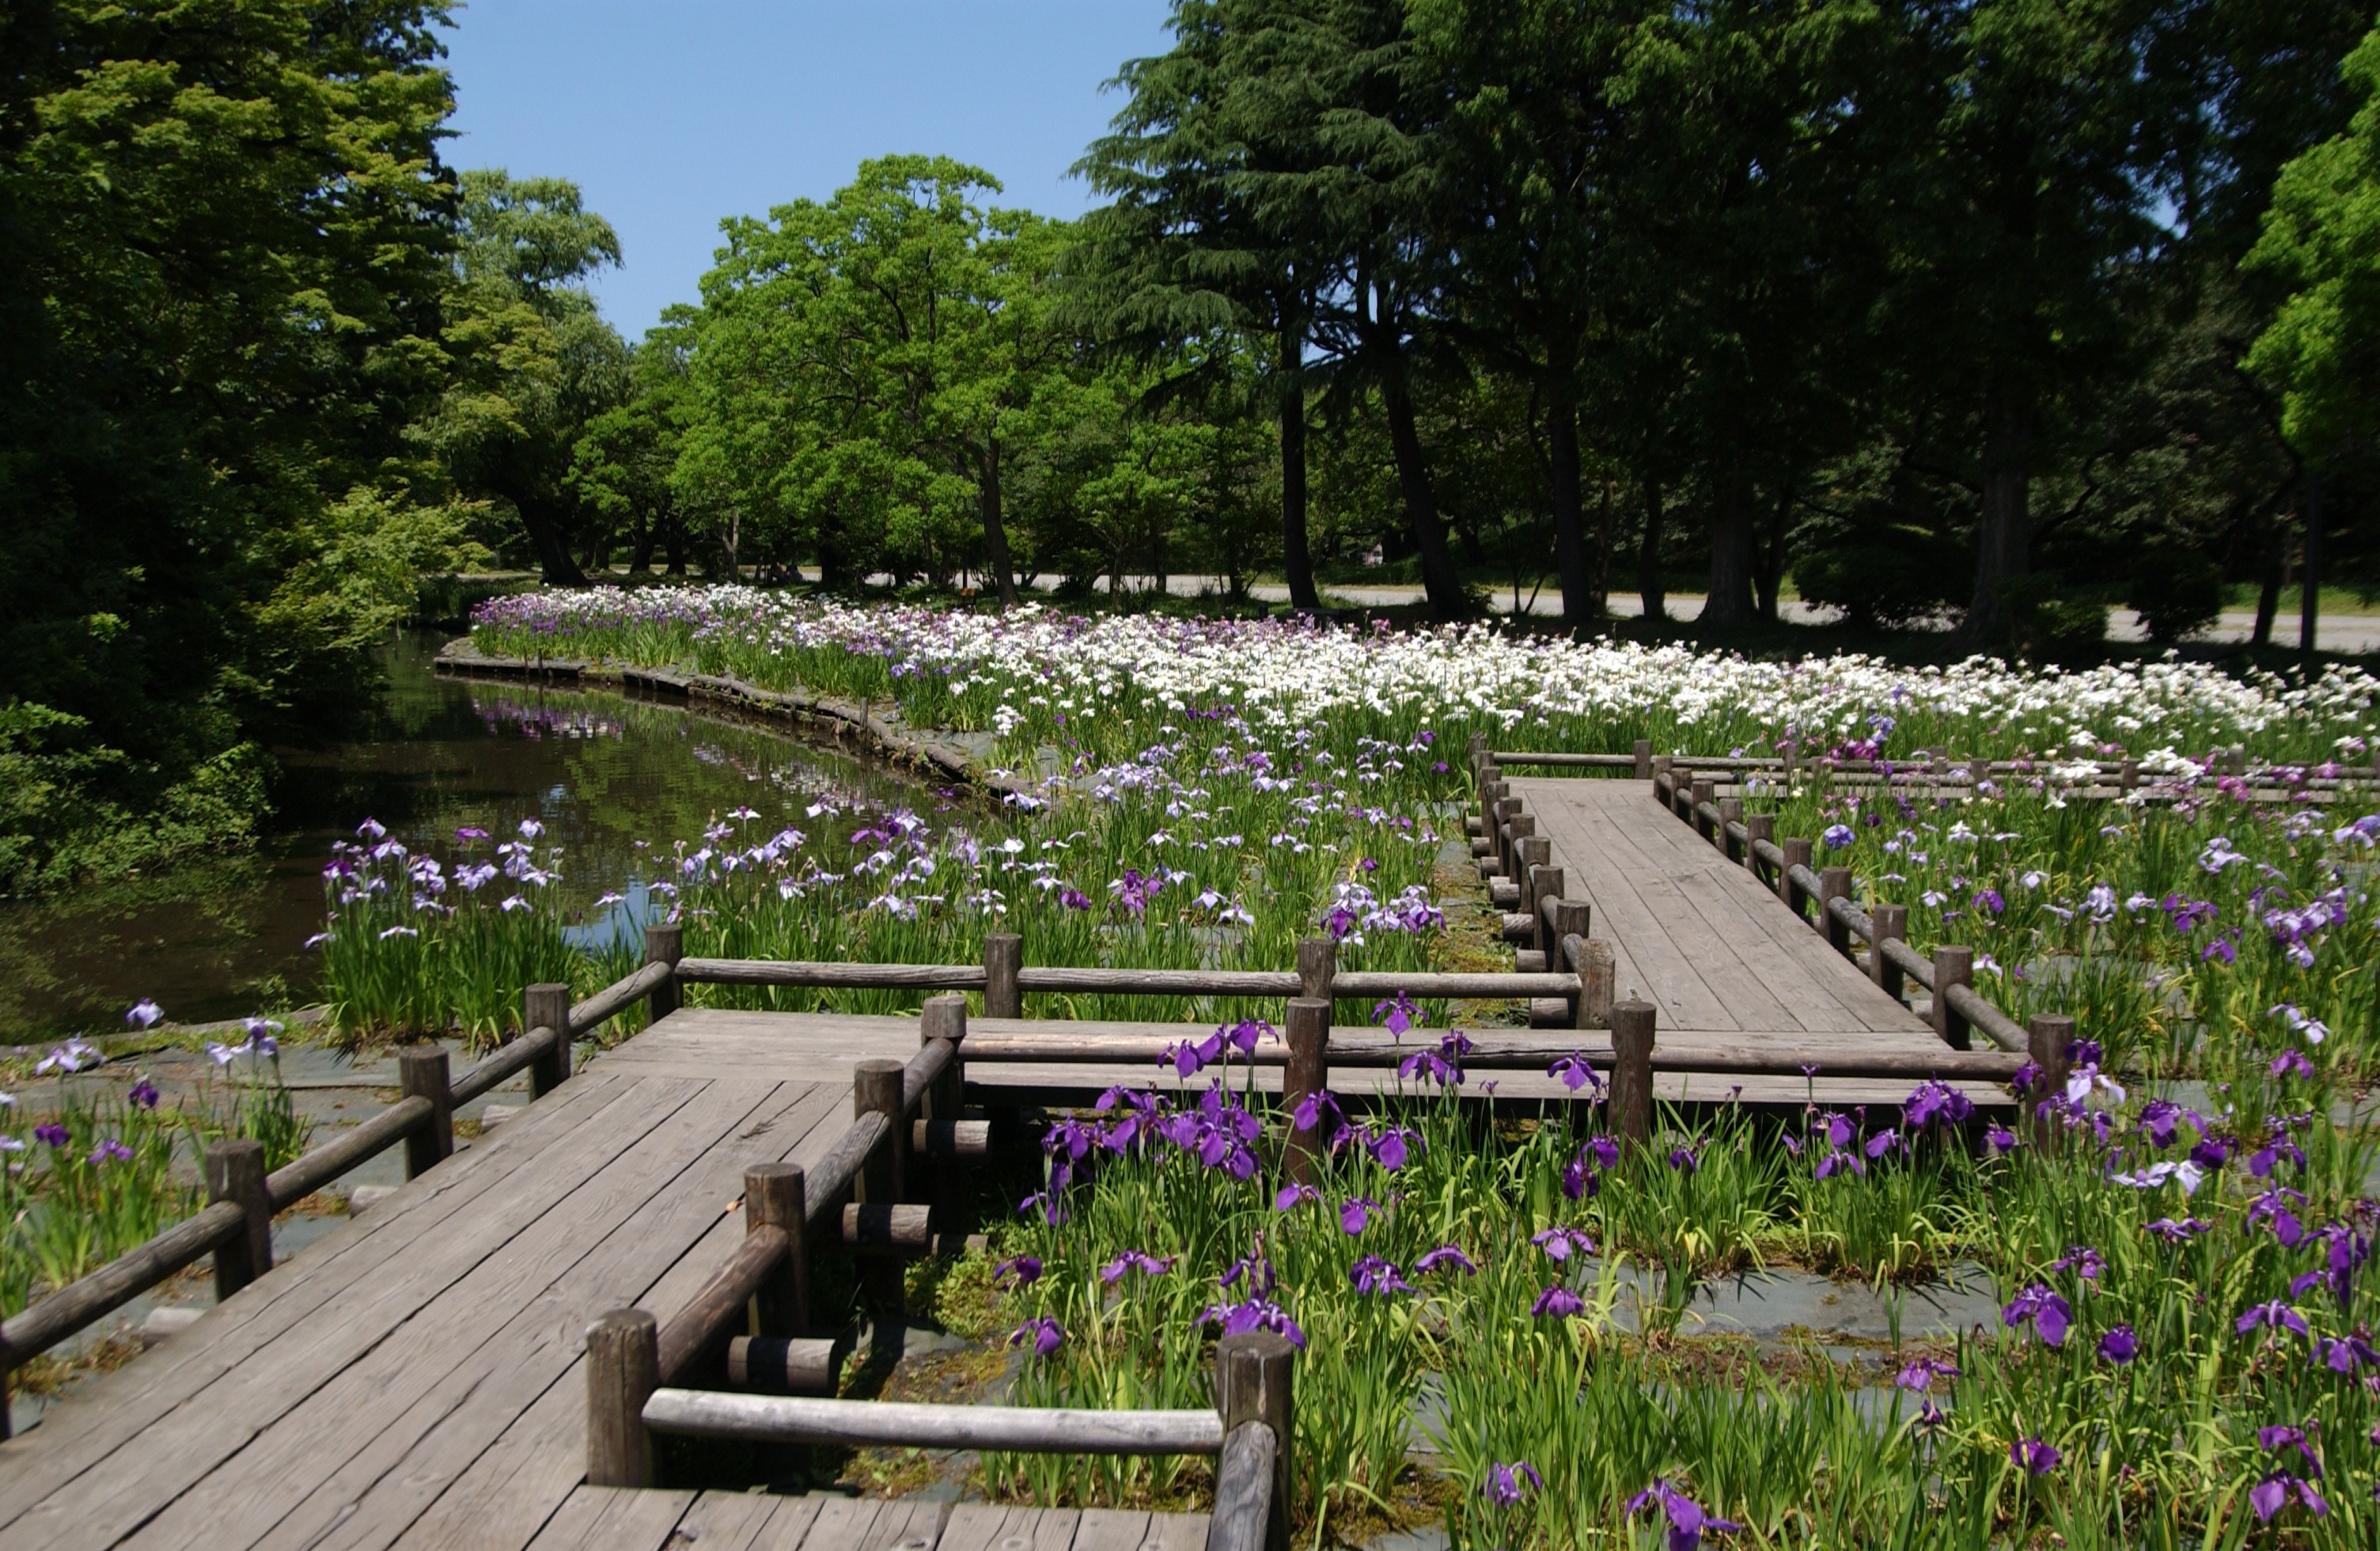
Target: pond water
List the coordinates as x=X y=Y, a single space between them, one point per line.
x=223 y=937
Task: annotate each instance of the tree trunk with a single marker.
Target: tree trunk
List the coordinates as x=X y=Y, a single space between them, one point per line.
x=640 y=554
x=2310 y=583
x=2269 y=595
x=545 y=536
x=995 y=532
x=1649 y=557
x=2004 y=539
x=1729 y=605
x=1772 y=563
x=1297 y=561
x=673 y=541
x=1601 y=597
x=1580 y=606
x=1438 y=578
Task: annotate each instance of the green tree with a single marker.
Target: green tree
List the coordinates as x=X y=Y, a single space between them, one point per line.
x=223 y=239
x=532 y=361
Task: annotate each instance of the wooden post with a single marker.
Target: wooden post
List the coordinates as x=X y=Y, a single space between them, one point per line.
x=1003 y=955
x=1797 y=855
x=421 y=1074
x=1731 y=812
x=1891 y=926
x=1541 y=888
x=664 y=944
x=235 y=1174
x=2128 y=775
x=1318 y=964
x=548 y=1007
x=1596 y=973
x=1478 y=751
x=1254 y=1373
x=775 y=1196
x=624 y=1366
x=2050 y=1036
x=1308 y=1073
x=944 y=1018
x=1835 y=883
x=876 y=1090
x=1530 y=853
x=1518 y=828
x=1701 y=792
x=1632 y=1070
x=1953 y=966
x=1758 y=827
x=1644 y=760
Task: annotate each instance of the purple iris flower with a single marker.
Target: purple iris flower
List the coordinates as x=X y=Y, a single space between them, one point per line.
x=2180 y=1232
x=1558 y=1301
x=109 y=1151
x=1397 y=1015
x=1918 y=1376
x=2119 y=1346
x=1135 y=1260
x=2034 y=1456
x=1355 y=1214
x=2344 y=1354
x=1574 y=1073
x=1689 y=1521
x=144 y=1093
x=2291 y=1063
x=1025 y=1270
x=1393 y=1147
x=2081 y=1258
x=1445 y=1254
x=1292 y=1194
x=52 y=1135
x=2276 y=1316
x=1935 y=1101
x=1073 y=898
x=144 y=1014
x=1375 y=1277
x=2001 y=1139
x=1503 y=1486
x=1046 y=1334
x=2048 y=1313
x=1558 y=1243
x=2271 y=1495
x=1256 y=1313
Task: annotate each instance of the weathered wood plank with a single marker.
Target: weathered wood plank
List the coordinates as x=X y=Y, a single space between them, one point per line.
x=69 y=1478
x=1175 y=1531
x=517 y=1437
x=726 y=1520
x=469 y=1331
x=613 y=1518
x=995 y=1527
x=1112 y=1529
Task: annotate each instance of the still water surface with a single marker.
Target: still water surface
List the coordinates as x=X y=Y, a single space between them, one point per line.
x=222 y=938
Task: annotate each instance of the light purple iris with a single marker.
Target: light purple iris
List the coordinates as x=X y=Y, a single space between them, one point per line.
x=1445 y=1254
x=1135 y=1260
x=144 y=1014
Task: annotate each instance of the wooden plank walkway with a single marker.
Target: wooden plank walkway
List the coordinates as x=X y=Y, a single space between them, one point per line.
x=1717 y=954
x=414 y=1378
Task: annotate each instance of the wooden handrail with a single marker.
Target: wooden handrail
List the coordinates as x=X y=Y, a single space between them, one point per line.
x=714 y=1312
x=87 y=1298
x=1347 y=985
x=907 y=1424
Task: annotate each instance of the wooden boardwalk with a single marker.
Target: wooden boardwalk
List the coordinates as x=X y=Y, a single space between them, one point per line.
x=415 y=1378
x=1723 y=960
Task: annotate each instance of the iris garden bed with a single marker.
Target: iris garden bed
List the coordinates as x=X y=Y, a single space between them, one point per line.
x=2178 y=1350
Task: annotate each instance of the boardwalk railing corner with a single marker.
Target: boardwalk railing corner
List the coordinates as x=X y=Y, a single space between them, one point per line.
x=235 y=1227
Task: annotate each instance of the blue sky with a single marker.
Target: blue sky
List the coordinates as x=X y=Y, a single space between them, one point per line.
x=672 y=116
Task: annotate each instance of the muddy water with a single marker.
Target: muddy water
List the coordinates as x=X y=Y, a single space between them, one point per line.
x=222 y=938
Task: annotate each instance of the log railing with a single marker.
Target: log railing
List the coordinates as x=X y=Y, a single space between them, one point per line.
x=235 y=1225
x=1958 y=1010
x=1931 y=766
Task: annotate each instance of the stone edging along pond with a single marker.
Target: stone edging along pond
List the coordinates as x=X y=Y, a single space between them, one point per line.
x=951 y=754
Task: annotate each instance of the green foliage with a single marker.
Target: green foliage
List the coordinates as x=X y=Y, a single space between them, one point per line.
x=2323 y=235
